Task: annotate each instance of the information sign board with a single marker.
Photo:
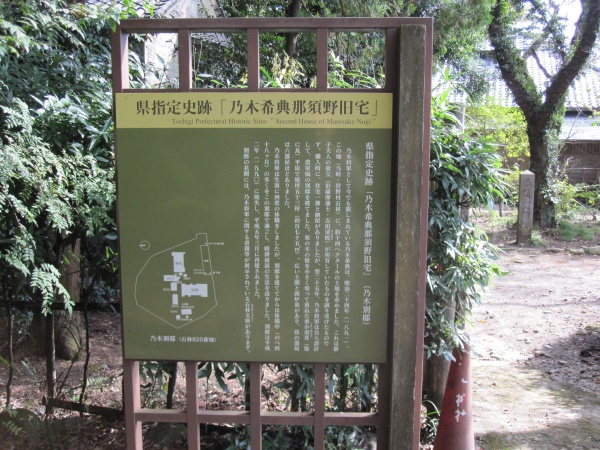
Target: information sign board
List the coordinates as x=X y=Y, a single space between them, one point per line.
x=254 y=226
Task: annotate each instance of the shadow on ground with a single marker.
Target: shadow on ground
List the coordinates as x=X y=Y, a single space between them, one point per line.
x=538 y=403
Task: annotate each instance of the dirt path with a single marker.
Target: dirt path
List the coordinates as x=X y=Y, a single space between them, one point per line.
x=536 y=373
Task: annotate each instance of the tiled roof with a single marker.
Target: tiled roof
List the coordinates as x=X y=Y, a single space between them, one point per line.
x=580 y=128
x=584 y=93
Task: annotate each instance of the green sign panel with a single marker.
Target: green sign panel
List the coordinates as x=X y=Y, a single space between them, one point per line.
x=254 y=226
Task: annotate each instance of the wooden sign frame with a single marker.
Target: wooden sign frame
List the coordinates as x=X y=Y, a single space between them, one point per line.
x=408 y=78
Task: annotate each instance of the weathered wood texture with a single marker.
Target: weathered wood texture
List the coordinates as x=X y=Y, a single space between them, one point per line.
x=408 y=76
x=407 y=339
x=582 y=162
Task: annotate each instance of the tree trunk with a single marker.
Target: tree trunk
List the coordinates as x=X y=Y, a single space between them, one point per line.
x=68 y=340
x=541 y=149
x=171 y=369
x=543 y=109
x=69 y=327
x=435 y=375
x=50 y=361
x=291 y=39
x=11 y=365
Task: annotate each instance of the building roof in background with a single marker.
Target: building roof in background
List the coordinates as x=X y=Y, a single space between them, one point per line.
x=583 y=95
x=581 y=128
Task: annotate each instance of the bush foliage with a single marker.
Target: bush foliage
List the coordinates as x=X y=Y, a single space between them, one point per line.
x=464 y=172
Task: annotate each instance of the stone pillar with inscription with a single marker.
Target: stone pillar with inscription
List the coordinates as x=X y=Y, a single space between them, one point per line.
x=525 y=216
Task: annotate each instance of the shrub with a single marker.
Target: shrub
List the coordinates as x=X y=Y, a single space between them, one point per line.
x=464 y=172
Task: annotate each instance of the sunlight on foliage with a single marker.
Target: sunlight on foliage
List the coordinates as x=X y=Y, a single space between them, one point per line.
x=464 y=172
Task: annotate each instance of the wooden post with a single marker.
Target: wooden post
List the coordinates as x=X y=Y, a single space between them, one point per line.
x=132 y=401
x=191 y=374
x=407 y=325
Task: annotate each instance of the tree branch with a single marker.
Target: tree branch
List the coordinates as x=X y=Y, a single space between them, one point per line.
x=535 y=56
x=590 y=24
x=110 y=413
x=577 y=32
x=292 y=38
x=552 y=28
x=513 y=66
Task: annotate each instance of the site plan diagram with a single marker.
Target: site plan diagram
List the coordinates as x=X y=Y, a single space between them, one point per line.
x=183 y=273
